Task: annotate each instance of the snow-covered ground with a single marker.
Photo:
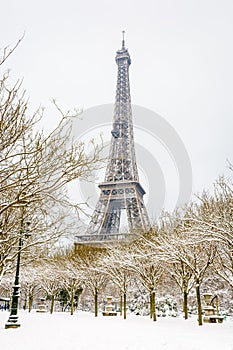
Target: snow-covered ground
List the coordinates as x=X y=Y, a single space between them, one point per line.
x=83 y=331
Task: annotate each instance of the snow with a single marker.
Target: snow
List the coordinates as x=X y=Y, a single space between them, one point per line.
x=42 y=331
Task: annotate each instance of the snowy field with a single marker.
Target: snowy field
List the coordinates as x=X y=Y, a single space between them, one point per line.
x=82 y=331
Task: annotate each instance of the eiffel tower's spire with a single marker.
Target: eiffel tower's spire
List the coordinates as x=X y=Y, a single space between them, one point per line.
x=123 y=40
x=121 y=190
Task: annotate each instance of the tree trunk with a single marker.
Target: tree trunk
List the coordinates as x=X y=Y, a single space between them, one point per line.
x=125 y=303
x=96 y=302
x=72 y=302
x=121 y=302
x=153 y=306
x=185 y=304
x=30 y=302
x=25 y=303
x=199 y=308
x=52 y=303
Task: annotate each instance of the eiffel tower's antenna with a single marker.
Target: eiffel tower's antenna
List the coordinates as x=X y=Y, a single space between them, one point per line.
x=123 y=39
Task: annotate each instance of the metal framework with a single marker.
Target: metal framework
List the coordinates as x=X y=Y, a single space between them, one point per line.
x=121 y=190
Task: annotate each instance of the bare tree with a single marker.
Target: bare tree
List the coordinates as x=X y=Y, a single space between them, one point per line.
x=140 y=258
x=30 y=284
x=72 y=279
x=211 y=218
x=90 y=260
x=51 y=279
x=169 y=236
x=118 y=272
x=34 y=171
x=184 y=246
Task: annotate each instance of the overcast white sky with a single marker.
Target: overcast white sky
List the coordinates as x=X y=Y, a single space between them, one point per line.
x=181 y=68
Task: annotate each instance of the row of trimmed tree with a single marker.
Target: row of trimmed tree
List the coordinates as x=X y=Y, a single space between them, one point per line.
x=182 y=253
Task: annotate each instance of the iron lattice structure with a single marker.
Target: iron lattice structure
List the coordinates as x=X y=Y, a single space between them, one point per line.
x=121 y=190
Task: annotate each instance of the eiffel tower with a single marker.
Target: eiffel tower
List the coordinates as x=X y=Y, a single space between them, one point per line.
x=121 y=190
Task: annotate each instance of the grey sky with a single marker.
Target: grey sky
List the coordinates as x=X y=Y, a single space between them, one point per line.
x=181 y=64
